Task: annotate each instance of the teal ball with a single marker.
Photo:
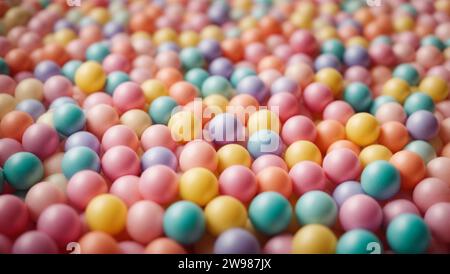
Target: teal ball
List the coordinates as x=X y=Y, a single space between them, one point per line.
x=408 y=234
x=97 y=52
x=359 y=96
x=270 y=213
x=424 y=149
x=114 y=79
x=22 y=170
x=161 y=109
x=70 y=68
x=418 y=101
x=381 y=180
x=191 y=58
x=358 y=241
x=316 y=207
x=68 y=119
x=216 y=85
x=184 y=222
x=408 y=73
x=335 y=47
x=196 y=76
x=239 y=74
x=79 y=158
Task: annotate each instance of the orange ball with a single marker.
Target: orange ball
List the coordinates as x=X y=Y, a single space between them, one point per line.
x=328 y=132
x=252 y=36
x=38 y=55
x=411 y=167
x=232 y=49
x=198 y=153
x=199 y=109
x=393 y=135
x=100 y=118
x=97 y=242
x=243 y=105
x=274 y=179
x=153 y=11
x=56 y=53
x=164 y=246
x=18 y=60
x=91 y=34
x=124 y=48
x=372 y=30
x=271 y=62
x=183 y=92
x=141 y=22
x=14 y=124
x=269 y=26
x=344 y=144
x=169 y=76
x=363 y=16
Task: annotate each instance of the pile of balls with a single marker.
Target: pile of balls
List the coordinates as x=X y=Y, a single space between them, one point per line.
x=240 y=126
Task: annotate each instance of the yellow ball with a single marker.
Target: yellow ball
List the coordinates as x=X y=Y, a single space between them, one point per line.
x=374 y=153
x=164 y=35
x=106 y=213
x=301 y=20
x=362 y=129
x=358 y=41
x=436 y=87
x=329 y=8
x=64 y=36
x=326 y=33
x=136 y=119
x=243 y=4
x=198 y=185
x=153 y=89
x=188 y=39
x=263 y=119
x=397 y=88
x=212 y=32
x=90 y=77
x=314 y=239
x=224 y=212
x=247 y=23
x=302 y=151
x=100 y=15
x=46 y=118
x=216 y=102
x=331 y=78
x=185 y=126
x=233 y=154
x=403 y=23
x=29 y=89
x=7 y=104
x=141 y=35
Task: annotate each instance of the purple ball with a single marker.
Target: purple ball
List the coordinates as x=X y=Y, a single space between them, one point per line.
x=112 y=28
x=34 y=242
x=236 y=241
x=284 y=84
x=222 y=67
x=422 y=125
x=168 y=46
x=64 y=24
x=159 y=156
x=218 y=13
x=345 y=190
x=82 y=139
x=32 y=107
x=356 y=56
x=253 y=86
x=327 y=60
x=46 y=69
x=225 y=128
x=210 y=49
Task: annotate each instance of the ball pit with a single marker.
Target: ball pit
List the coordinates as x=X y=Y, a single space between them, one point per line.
x=224 y=126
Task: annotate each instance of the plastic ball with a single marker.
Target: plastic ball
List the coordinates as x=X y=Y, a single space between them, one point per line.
x=429 y=192
x=90 y=77
x=34 y=242
x=41 y=140
x=358 y=96
x=346 y=190
x=316 y=207
x=157 y=135
x=159 y=156
x=390 y=112
x=362 y=129
x=379 y=101
x=331 y=78
x=263 y=119
x=358 y=241
x=46 y=69
x=307 y=176
x=114 y=79
x=223 y=213
x=233 y=154
x=145 y=221
x=120 y=135
x=238 y=182
x=381 y=180
x=437 y=168
x=356 y=56
x=33 y=107
x=84 y=186
x=106 y=213
x=411 y=167
x=314 y=239
x=15 y=211
x=119 y=161
x=393 y=135
x=281 y=244
x=396 y=88
x=408 y=73
x=408 y=233
x=225 y=128
x=338 y=110
x=164 y=246
x=418 y=101
x=127 y=96
x=56 y=87
x=196 y=76
x=374 y=153
x=127 y=189
x=184 y=222
x=435 y=218
x=191 y=58
x=302 y=151
x=264 y=142
x=159 y=183
x=198 y=185
x=435 y=87
x=14 y=124
x=424 y=149
x=270 y=213
x=79 y=158
x=422 y=125
x=254 y=86
x=29 y=89
x=397 y=207
x=236 y=241
x=298 y=128
x=341 y=165
x=82 y=138
x=22 y=170
x=97 y=242
x=360 y=211
x=68 y=119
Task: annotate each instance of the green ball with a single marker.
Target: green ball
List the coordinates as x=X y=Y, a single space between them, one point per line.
x=409 y=9
x=432 y=40
x=358 y=241
x=381 y=180
x=184 y=222
x=408 y=73
x=335 y=47
x=196 y=76
x=114 y=79
x=22 y=170
x=161 y=109
x=191 y=58
x=316 y=207
x=381 y=100
x=423 y=149
x=216 y=85
x=418 y=101
x=79 y=158
x=408 y=234
x=270 y=213
x=97 y=52
x=4 y=69
x=239 y=74
x=68 y=119
x=70 y=68
x=358 y=95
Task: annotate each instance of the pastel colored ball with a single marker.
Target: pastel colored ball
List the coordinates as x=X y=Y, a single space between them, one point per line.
x=359 y=96
x=184 y=126
x=264 y=142
x=316 y=207
x=346 y=190
x=391 y=112
x=120 y=135
x=127 y=189
x=338 y=110
x=223 y=213
x=84 y=186
x=225 y=128
x=184 y=222
x=236 y=241
x=198 y=185
x=397 y=207
x=314 y=239
x=239 y=182
x=31 y=106
x=360 y=211
x=79 y=158
x=15 y=211
x=431 y=191
x=164 y=246
x=297 y=128
x=358 y=241
x=437 y=168
x=422 y=125
x=191 y=58
x=22 y=170
x=56 y=87
x=198 y=153
x=145 y=221
x=379 y=101
x=263 y=119
x=268 y=160
x=159 y=183
x=127 y=96
x=356 y=56
x=396 y=88
x=114 y=79
x=34 y=242
x=331 y=78
x=411 y=167
x=14 y=124
x=408 y=73
x=69 y=69
x=106 y=213
x=437 y=221
x=41 y=140
x=374 y=153
x=119 y=161
x=276 y=179
x=90 y=77
x=424 y=149
x=408 y=233
x=418 y=101
x=97 y=242
x=159 y=156
x=302 y=151
x=233 y=154
x=307 y=176
x=68 y=119
x=341 y=165
x=82 y=138
x=41 y=196
x=157 y=135
x=381 y=180
x=435 y=87
x=196 y=76
x=254 y=86
x=281 y=244
x=362 y=129
x=270 y=213
x=46 y=69
x=317 y=96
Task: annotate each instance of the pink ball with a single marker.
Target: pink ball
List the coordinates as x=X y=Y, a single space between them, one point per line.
x=284 y=52
x=280 y=244
x=5 y=46
x=97 y=98
x=438 y=167
x=391 y=112
x=127 y=189
x=157 y=135
x=286 y=103
x=56 y=87
x=404 y=52
x=143 y=61
x=128 y=96
x=14 y=215
x=34 y=242
x=239 y=182
x=41 y=196
x=5 y=245
x=317 y=96
x=360 y=211
x=120 y=135
x=429 y=56
x=145 y=221
x=341 y=165
x=298 y=127
x=382 y=54
x=269 y=76
x=41 y=140
x=431 y=191
x=397 y=207
x=303 y=41
x=116 y=62
x=338 y=110
x=167 y=59
x=76 y=49
x=159 y=183
x=130 y=247
x=268 y=160
x=119 y=161
x=437 y=219
x=8 y=147
x=143 y=46
x=410 y=38
x=307 y=176
x=7 y=84
x=444 y=108
x=254 y=52
x=61 y=222
x=198 y=153
x=141 y=74
x=441 y=72
x=358 y=74
x=83 y=186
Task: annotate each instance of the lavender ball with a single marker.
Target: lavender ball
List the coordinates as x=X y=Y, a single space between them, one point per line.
x=159 y=156
x=82 y=139
x=46 y=69
x=236 y=241
x=210 y=49
x=284 y=84
x=32 y=107
x=222 y=67
x=327 y=60
x=345 y=190
x=422 y=125
x=253 y=86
